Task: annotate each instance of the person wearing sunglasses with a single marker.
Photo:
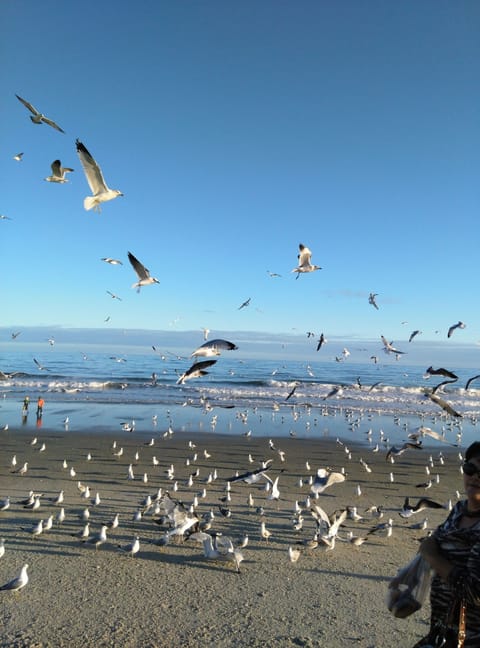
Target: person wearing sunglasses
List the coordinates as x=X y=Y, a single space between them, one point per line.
x=453 y=552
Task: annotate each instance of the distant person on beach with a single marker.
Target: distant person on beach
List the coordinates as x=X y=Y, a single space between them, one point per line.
x=26 y=403
x=453 y=552
x=40 y=404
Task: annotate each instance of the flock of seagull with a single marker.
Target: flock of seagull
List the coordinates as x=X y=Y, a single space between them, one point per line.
x=195 y=500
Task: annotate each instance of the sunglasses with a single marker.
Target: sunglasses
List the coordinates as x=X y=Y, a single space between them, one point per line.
x=470 y=469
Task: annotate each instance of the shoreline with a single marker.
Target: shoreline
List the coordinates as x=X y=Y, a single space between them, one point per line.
x=171 y=595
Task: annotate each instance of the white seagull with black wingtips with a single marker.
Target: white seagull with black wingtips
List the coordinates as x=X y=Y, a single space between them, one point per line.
x=101 y=192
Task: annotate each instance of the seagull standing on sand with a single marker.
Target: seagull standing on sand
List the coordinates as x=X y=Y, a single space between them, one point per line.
x=18 y=582
x=101 y=193
x=58 y=172
x=304 y=261
x=37 y=117
x=144 y=278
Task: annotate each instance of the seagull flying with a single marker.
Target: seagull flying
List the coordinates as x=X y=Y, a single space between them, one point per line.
x=321 y=341
x=304 y=261
x=413 y=334
x=111 y=261
x=196 y=371
x=423 y=503
x=245 y=303
x=101 y=193
x=41 y=367
x=388 y=346
x=371 y=300
x=455 y=326
x=394 y=451
x=143 y=274
x=213 y=348
x=58 y=172
x=37 y=117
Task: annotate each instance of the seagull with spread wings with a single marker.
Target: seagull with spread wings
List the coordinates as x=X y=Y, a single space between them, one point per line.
x=143 y=274
x=93 y=173
x=196 y=371
x=214 y=348
x=305 y=261
x=37 y=117
x=58 y=172
x=455 y=326
x=388 y=346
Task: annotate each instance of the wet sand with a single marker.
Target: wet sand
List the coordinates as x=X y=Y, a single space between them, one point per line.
x=171 y=595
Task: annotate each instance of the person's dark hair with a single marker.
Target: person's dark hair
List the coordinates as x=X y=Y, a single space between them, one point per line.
x=473 y=451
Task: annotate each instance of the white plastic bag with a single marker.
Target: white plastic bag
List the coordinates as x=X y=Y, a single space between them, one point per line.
x=408 y=590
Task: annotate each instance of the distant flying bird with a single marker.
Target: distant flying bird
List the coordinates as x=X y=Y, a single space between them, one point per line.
x=371 y=300
x=455 y=326
x=304 y=261
x=41 y=367
x=3 y=217
x=114 y=296
x=273 y=274
x=58 y=172
x=413 y=334
x=111 y=261
x=245 y=303
x=388 y=346
x=213 y=348
x=441 y=372
x=15 y=335
x=18 y=157
x=292 y=391
x=321 y=342
x=196 y=371
x=143 y=274
x=470 y=380
x=37 y=117
x=101 y=193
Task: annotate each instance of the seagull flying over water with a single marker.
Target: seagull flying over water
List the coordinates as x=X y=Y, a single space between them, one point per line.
x=37 y=117
x=324 y=479
x=388 y=346
x=413 y=334
x=143 y=274
x=371 y=300
x=455 y=326
x=196 y=371
x=213 y=348
x=58 y=172
x=304 y=261
x=101 y=193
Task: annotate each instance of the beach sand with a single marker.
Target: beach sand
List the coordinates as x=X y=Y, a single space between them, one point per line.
x=171 y=595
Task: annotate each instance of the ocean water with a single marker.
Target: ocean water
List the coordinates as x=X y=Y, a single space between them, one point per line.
x=101 y=391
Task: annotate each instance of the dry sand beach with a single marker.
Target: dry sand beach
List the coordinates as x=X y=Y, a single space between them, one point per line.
x=172 y=595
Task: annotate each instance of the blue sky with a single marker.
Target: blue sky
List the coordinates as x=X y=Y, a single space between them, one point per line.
x=237 y=131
